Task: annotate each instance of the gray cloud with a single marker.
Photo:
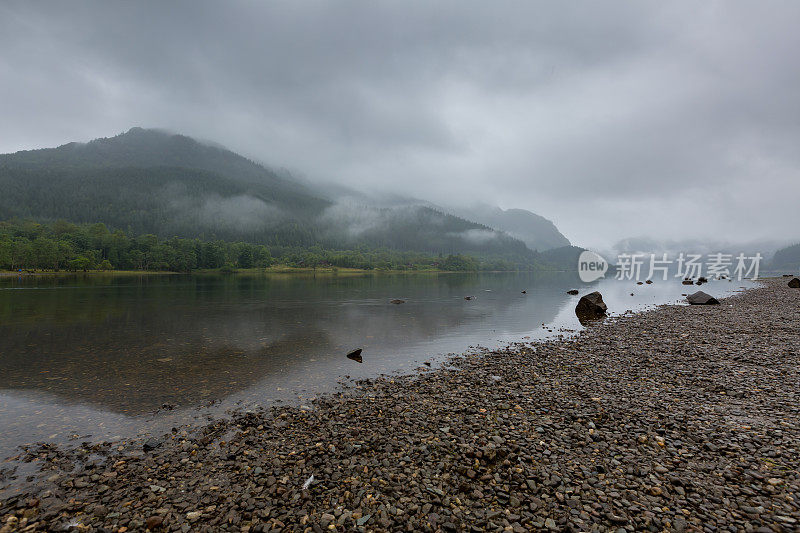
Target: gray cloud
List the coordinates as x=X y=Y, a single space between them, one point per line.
x=613 y=119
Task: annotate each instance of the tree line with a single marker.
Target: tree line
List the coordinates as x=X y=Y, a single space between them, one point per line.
x=60 y=245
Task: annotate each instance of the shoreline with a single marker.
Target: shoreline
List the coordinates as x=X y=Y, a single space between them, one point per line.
x=662 y=419
x=276 y=269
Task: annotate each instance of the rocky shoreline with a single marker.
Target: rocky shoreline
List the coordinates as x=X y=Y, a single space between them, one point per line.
x=685 y=418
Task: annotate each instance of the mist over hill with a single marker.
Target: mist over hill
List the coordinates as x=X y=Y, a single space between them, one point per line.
x=152 y=181
x=787 y=258
x=537 y=232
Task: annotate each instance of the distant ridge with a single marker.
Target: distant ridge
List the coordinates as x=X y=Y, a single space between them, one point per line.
x=152 y=181
x=537 y=232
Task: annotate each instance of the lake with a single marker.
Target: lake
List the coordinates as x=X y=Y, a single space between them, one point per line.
x=104 y=357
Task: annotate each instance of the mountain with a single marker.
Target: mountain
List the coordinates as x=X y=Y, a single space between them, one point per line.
x=537 y=232
x=151 y=181
x=564 y=257
x=705 y=247
x=786 y=259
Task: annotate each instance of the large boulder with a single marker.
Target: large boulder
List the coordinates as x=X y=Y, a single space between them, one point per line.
x=701 y=298
x=591 y=306
x=795 y=283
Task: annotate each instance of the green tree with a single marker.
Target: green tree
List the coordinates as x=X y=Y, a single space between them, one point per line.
x=81 y=263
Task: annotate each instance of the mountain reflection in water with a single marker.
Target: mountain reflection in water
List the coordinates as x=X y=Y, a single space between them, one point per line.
x=99 y=354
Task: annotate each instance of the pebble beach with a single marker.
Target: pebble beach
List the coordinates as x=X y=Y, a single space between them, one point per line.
x=682 y=418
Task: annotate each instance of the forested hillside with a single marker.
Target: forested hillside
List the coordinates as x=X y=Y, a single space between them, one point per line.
x=152 y=182
x=26 y=245
x=787 y=258
x=534 y=230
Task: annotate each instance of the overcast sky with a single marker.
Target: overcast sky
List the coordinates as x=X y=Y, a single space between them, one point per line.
x=614 y=120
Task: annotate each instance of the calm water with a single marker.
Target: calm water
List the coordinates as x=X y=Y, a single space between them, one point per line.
x=85 y=358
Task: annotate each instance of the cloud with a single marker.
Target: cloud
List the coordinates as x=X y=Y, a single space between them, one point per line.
x=351 y=220
x=610 y=119
x=239 y=213
x=477 y=236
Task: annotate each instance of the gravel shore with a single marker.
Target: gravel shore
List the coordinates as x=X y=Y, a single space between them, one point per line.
x=678 y=419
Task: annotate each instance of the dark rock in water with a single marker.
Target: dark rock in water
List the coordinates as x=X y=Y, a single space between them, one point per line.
x=524 y=292
x=397 y=302
x=787 y=275
x=639 y=283
x=794 y=283
x=427 y=363
x=591 y=306
x=649 y=281
x=631 y=294
x=702 y=279
x=355 y=355
x=701 y=298
x=469 y=297
x=151 y=444
x=687 y=282
x=572 y=292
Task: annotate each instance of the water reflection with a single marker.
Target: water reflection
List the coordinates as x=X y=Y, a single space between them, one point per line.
x=98 y=355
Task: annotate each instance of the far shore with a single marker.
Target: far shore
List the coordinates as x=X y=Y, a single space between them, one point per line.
x=273 y=269
x=24 y=273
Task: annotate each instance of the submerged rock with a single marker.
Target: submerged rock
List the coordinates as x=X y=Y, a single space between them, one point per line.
x=151 y=444
x=397 y=302
x=591 y=306
x=701 y=298
x=687 y=282
x=794 y=283
x=573 y=292
x=469 y=297
x=355 y=355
